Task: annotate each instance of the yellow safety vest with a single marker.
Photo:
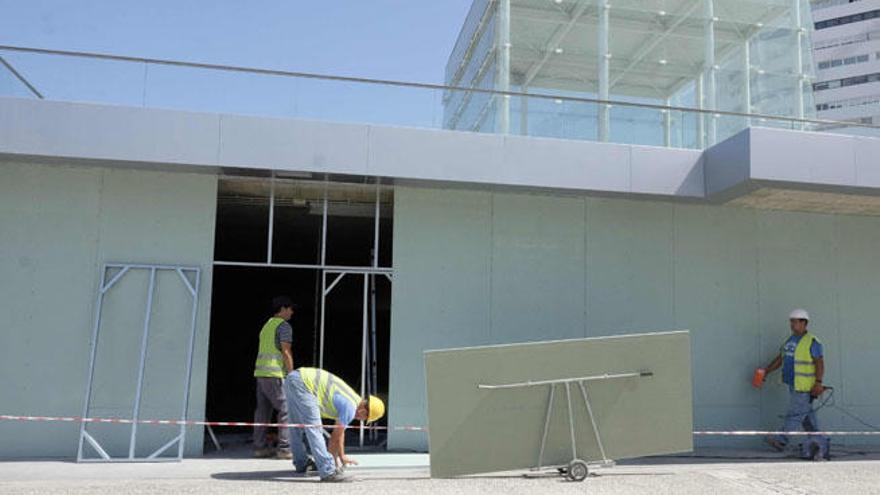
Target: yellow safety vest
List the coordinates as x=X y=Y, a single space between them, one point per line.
x=804 y=367
x=270 y=363
x=325 y=385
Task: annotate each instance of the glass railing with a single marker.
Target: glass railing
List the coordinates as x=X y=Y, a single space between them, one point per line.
x=168 y=84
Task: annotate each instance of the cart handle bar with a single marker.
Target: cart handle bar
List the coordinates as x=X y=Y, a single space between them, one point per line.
x=605 y=376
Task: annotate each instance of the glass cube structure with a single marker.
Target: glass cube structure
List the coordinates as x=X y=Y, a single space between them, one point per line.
x=740 y=56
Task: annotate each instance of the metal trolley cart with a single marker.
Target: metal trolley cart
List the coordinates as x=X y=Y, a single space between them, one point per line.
x=577 y=469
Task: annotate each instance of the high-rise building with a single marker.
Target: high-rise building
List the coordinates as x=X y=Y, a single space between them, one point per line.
x=846 y=48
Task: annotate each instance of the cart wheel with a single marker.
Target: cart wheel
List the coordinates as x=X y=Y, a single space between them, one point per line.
x=577 y=470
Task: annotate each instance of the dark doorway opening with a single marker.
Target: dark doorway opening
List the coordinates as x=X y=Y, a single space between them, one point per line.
x=242 y=293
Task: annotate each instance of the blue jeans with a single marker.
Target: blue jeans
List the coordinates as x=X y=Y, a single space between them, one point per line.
x=302 y=407
x=801 y=416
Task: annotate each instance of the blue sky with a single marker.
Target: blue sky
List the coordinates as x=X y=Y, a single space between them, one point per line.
x=388 y=39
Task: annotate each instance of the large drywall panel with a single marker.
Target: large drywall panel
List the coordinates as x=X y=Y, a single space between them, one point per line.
x=715 y=294
x=474 y=430
x=47 y=277
x=857 y=348
x=538 y=268
x=714 y=290
x=629 y=266
x=795 y=269
x=440 y=290
x=58 y=224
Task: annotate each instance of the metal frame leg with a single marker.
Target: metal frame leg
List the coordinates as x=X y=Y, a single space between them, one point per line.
x=574 y=454
x=593 y=421
x=546 y=426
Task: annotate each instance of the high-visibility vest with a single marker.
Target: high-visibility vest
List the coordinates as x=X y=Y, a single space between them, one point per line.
x=270 y=363
x=325 y=385
x=804 y=367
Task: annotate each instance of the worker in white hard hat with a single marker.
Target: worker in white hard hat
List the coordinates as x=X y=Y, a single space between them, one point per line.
x=803 y=367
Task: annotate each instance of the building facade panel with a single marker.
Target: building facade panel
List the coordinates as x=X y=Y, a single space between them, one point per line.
x=60 y=224
x=730 y=275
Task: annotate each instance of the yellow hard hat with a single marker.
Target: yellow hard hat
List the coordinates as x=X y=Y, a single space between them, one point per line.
x=377 y=408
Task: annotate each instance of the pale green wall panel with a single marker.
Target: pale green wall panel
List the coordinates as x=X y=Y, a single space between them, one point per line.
x=858 y=349
x=629 y=266
x=58 y=224
x=440 y=292
x=538 y=268
x=715 y=293
x=730 y=275
x=46 y=299
x=796 y=268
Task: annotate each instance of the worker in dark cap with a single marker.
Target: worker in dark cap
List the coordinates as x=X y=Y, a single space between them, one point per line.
x=274 y=362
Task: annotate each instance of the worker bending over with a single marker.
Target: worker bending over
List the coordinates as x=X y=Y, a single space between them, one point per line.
x=313 y=393
x=803 y=368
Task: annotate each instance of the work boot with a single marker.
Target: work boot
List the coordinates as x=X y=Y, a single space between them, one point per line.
x=775 y=444
x=816 y=453
x=263 y=453
x=310 y=466
x=337 y=477
x=283 y=454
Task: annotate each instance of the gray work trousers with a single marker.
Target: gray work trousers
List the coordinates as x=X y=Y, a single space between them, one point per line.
x=270 y=396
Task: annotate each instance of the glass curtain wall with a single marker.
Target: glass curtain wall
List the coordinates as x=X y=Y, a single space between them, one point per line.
x=743 y=56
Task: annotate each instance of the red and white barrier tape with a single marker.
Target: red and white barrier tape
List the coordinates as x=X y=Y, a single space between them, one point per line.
x=746 y=433
x=175 y=422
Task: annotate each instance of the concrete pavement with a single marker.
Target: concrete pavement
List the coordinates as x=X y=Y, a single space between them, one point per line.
x=720 y=472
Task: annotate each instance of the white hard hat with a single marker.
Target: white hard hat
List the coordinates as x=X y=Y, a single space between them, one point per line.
x=799 y=314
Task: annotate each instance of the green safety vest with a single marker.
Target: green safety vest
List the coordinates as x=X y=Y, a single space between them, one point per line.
x=804 y=367
x=325 y=385
x=270 y=363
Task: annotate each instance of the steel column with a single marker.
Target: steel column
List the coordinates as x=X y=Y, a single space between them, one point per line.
x=604 y=62
x=799 y=33
x=373 y=374
x=323 y=279
x=701 y=117
x=502 y=50
x=710 y=69
x=271 y=218
x=667 y=125
x=747 y=80
x=364 y=331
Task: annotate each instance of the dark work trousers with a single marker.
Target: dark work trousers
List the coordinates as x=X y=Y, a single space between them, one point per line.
x=270 y=396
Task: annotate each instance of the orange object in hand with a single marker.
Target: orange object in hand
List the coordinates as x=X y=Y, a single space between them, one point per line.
x=758 y=379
